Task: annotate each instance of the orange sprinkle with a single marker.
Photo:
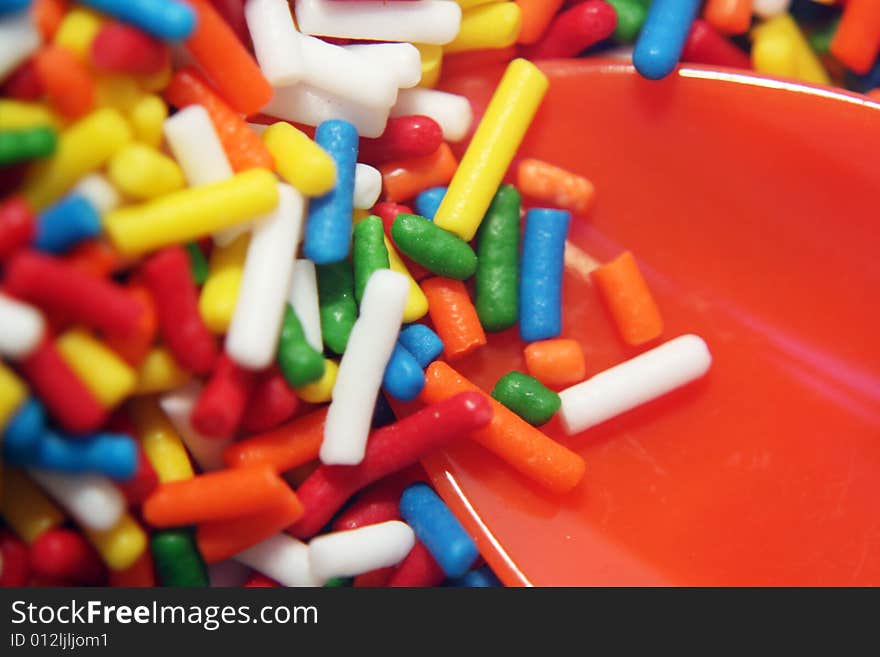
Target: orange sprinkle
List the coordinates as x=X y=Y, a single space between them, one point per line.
x=627 y=296
x=550 y=184
x=243 y=146
x=454 y=316
x=284 y=448
x=536 y=17
x=66 y=80
x=403 y=179
x=220 y=495
x=557 y=363
x=519 y=444
x=226 y=61
x=47 y=16
x=222 y=539
x=857 y=40
x=729 y=16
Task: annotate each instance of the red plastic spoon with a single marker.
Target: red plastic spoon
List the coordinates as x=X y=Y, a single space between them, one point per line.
x=751 y=206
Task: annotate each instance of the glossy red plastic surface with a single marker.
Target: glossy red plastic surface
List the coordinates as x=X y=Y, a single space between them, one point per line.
x=751 y=207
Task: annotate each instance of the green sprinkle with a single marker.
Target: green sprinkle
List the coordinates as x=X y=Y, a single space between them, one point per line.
x=495 y=286
x=369 y=252
x=299 y=362
x=177 y=559
x=337 y=582
x=820 y=40
x=27 y=144
x=338 y=305
x=197 y=263
x=527 y=397
x=435 y=249
x=631 y=16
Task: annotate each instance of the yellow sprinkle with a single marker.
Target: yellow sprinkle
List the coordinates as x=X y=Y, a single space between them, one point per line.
x=192 y=213
x=109 y=378
x=161 y=443
x=155 y=82
x=144 y=173
x=494 y=25
x=84 y=147
x=220 y=291
x=775 y=55
x=26 y=508
x=299 y=160
x=321 y=390
x=467 y=4
x=121 y=545
x=78 y=30
x=147 y=117
x=121 y=92
x=416 y=301
x=432 y=63
x=17 y=115
x=496 y=140
x=781 y=49
x=159 y=372
x=13 y=392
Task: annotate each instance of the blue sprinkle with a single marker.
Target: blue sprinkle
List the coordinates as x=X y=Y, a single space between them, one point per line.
x=9 y=6
x=165 y=19
x=439 y=530
x=22 y=434
x=663 y=36
x=113 y=455
x=66 y=224
x=429 y=200
x=404 y=378
x=328 y=227
x=541 y=265
x=478 y=578
x=419 y=340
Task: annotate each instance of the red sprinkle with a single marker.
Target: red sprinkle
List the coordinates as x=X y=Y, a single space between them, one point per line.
x=706 y=45
x=575 y=30
x=419 y=568
x=122 y=48
x=373 y=578
x=145 y=479
x=134 y=347
x=59 y=287
x=272 y=403
x=167 y=276
x=258 y=581
x=23 y=83
x=17 y=225
x=65 y=554
x=377 y=504
x=220 y=407
x=232 y=12
x=404 y=137
x=14 y=568
x=389 y=449
x=59 y=388
x=142 y=483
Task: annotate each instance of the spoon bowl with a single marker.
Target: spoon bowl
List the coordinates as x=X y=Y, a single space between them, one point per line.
x=750 y=205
